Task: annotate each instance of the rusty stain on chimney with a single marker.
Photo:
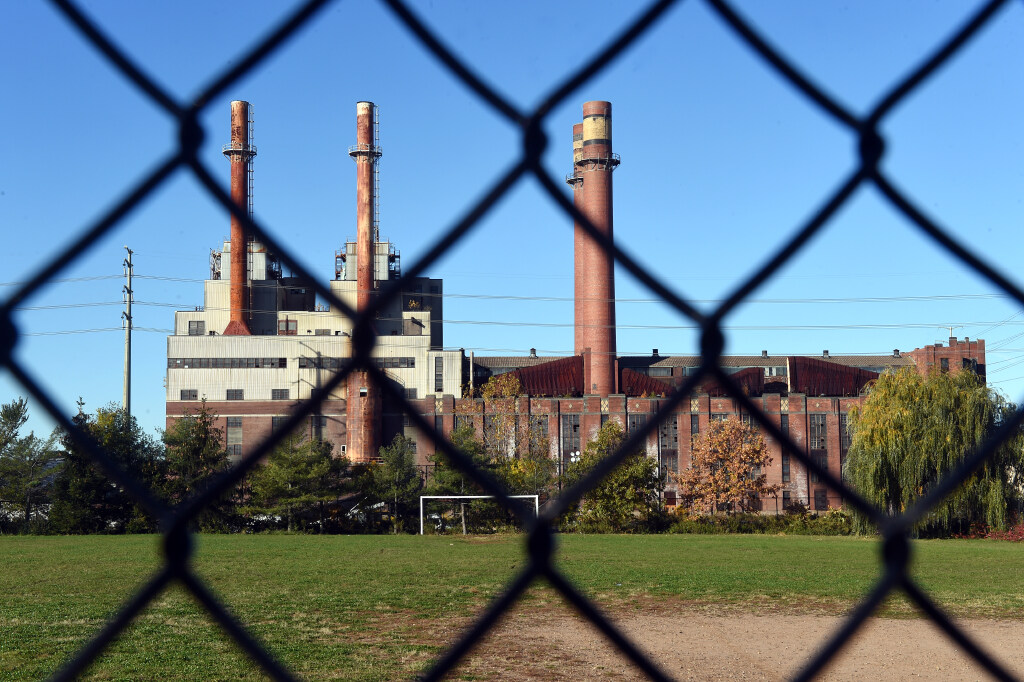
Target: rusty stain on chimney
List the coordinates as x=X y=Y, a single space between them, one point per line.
x=240 y=151
x=593 y=163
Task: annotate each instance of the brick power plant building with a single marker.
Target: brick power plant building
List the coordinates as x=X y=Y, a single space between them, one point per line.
x=260 y=344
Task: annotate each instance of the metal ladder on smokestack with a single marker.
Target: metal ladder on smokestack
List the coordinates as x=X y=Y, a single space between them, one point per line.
x=250 y=145
x=250 y=237
x=375 y=159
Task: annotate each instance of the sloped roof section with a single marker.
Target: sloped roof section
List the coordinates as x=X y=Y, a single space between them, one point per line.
x=818 y=377
x=557 y=378
x=750 y=381
x=633 y=383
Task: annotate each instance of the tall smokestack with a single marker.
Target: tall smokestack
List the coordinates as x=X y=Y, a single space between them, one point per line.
x=594 y=162
x=240 y=151
x=363 y=407
x=365 y=154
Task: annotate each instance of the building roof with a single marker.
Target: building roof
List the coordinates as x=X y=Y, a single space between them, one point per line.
x=516 y=361
x=764 y=361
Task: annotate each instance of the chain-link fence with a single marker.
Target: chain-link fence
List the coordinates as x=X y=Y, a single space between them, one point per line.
x=177 y=540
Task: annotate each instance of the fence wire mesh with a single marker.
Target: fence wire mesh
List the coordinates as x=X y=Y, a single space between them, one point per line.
x=177 y=540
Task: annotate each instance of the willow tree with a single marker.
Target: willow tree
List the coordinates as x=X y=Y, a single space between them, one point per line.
x=912 y=430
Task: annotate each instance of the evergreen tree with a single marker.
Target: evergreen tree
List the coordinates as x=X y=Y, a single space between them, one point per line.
x=297 y=481
x=85 y=500
x=913 y=430
x=395 y=481
x=28 y=465
x=195 y=452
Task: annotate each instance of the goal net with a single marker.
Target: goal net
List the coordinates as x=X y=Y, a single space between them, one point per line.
x=423 y=498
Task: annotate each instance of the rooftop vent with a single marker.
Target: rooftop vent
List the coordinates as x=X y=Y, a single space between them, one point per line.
x=654 y=352
x=895 y=352
x=764 y=354
x=824 y=353
x=533 y=352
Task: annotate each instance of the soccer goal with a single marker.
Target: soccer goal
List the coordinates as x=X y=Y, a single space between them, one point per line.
x=536 y=501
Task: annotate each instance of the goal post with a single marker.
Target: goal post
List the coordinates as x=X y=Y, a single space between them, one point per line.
x=536 y=501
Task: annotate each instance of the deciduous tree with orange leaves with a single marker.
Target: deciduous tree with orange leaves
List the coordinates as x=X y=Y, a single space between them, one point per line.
x=727 y=472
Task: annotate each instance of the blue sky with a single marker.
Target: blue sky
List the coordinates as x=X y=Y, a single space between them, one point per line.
x=721 y=160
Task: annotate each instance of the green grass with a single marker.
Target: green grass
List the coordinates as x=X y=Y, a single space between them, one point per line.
x=372 y=607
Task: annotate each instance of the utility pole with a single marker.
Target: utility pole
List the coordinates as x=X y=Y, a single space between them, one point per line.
x=127 y=316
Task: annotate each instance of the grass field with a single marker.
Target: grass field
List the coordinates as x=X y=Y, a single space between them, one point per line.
x=380 y=607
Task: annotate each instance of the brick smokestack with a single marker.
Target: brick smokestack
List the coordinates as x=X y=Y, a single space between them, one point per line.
x=593 y=164
x=363 y=407
x=366 y=158
x=240 y=152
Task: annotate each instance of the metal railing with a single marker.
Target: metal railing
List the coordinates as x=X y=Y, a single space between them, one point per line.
x=177 y=541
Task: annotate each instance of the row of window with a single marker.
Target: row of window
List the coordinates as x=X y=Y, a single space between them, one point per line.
x=227 y=363
x=237 y=394
x=281 y=363
x=337 y=363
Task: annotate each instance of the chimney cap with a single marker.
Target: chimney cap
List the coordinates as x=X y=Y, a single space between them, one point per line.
x=896 y=352
x=533 y=352
x=764 y=354
x=654 y=352
x=824 y=353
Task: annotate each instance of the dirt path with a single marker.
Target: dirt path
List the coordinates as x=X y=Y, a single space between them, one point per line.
x=696 y=645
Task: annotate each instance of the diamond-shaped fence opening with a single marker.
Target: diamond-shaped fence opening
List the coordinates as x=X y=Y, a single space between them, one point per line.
x=865 y=129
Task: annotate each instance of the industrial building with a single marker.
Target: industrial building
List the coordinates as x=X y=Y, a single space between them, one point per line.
x=259 y=344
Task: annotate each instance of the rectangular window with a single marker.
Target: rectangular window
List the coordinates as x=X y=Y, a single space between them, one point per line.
x=605 y=418
x=463 y=421
x=817 y=432
x=234 y=435
x=670 y=462
x=819 y=457
x=570 y=438
x=491 y=443
x=539 y=427
x=439 y=423
x=784 y=423
x=318 y=424
x=668 y=434
x=277 y=422
x=321 y=332
x=279 y=394
x=235 y=394
x=659 y=371
x=820 y=499
x=719 y=416
x=394 y=363
x=785 y=467
x=190 y=394
x=438 y=374
x=745 y=419
x=694 y=427
x=196 y=328
x=845 y=434
x=786 y=500
x=944 y=364
x=636 y=422
x=410 y=393
x=670 y=497
x=287 y=327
